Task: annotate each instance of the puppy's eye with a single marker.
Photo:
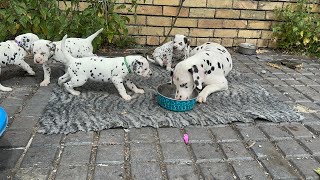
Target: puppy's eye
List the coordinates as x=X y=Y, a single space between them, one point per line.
x=145 y=69
x=43 y=53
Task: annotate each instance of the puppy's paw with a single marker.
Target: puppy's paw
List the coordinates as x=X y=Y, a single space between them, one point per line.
x=201 y=99
x=74 y=92
x=31 y=73
x=169 y=68
x=5 y=89
x=139 y=91
x=60 y=82
x=44 y=83
x=127 y=97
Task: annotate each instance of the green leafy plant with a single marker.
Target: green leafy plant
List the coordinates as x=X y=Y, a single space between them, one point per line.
x=46 y=19
x=298 y=29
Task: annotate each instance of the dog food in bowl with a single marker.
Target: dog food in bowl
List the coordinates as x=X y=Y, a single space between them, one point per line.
x=165 y=98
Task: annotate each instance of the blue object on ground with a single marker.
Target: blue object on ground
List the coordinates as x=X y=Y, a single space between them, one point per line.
x=3 y=121
x=165 y=98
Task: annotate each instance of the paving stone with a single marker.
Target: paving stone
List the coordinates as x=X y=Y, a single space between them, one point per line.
x=225 y=134
x=207 y=152
x=293 y=83
x=313 y=145
x=298 y=130
x=249 y=170
x=236 y=151
x=72 y=173
x=279 y=168
x=309 y=82
x=10 y=110
x=287 y=90
x=8 y=158
x=39 y=157
x=46 y=140
x=12 y=101
x=315 y=128
x=110 y=154
x=275 y=132
x=310 y=105
x=32 y=110
x=115 y=172
x=76 y=155
x=5 y=174
x=146 y=171
x=23 y=123
x=79 y=138
x=170 y=135
x=196 y=134
x=15 y=138
x=32 y=173
x=217 y=170
x=299 y=98
x=309 y=92
x=306 y=167
x=291 y=148
x=181 y=171
x=251 y=133
x=175 y=152
x=143 y=152
x=284 y=76
x=277 y=82
x=28 y=81
x=112 y=136
x=142 y=135
x=265 y=149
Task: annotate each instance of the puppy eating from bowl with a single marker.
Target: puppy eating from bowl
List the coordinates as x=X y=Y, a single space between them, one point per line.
x=207 y=68
x=102 y=69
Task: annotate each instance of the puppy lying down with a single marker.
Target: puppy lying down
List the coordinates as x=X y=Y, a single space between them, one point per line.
x=208 y=67
x=102 y=69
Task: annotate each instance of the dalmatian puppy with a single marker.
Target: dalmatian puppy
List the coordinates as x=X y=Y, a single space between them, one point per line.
x=203 y=47
x=14 y=51
x=208 y=67
x=178 y=49
x=45 y=52
x=95 y=68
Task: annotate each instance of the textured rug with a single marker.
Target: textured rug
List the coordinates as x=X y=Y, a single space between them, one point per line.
x=100 y=107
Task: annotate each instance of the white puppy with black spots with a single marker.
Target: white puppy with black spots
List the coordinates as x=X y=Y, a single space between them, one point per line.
x=178 y=49
x=208 y=67
x=14 y=51
x=80 y=70
x=45 y=52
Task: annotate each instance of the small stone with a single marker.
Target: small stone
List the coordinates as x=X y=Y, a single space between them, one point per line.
x=263 y=71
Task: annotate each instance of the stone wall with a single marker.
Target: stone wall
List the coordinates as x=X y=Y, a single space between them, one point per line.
x=228 y=22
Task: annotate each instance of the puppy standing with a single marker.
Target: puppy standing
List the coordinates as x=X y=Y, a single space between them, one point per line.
x=178 y=49
x=45 y=52
x=208 y=67
x=14 y=52
x=80 y=70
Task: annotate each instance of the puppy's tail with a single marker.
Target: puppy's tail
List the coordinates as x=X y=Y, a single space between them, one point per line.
x=64 y=50
x=151 y=60
x=91 y=38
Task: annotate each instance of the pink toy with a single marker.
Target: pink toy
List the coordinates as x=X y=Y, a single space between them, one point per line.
x=186 y=138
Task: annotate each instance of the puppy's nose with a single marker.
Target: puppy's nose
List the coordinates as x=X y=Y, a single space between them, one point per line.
x=38 y=61
x=174 y=47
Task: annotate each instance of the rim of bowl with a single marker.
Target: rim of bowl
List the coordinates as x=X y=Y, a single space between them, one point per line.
x=197 y=93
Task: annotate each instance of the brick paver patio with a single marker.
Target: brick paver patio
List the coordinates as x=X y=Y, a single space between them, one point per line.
x=262 y=150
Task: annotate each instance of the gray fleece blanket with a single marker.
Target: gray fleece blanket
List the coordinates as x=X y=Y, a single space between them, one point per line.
x=100 y=107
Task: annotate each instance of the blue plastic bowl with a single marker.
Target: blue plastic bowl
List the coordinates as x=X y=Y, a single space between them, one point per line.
x=165 y=98
x=3 y=121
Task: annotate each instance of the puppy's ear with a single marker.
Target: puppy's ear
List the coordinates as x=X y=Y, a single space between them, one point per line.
x=197 y=75
x=186 y=41
x=52 y=47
